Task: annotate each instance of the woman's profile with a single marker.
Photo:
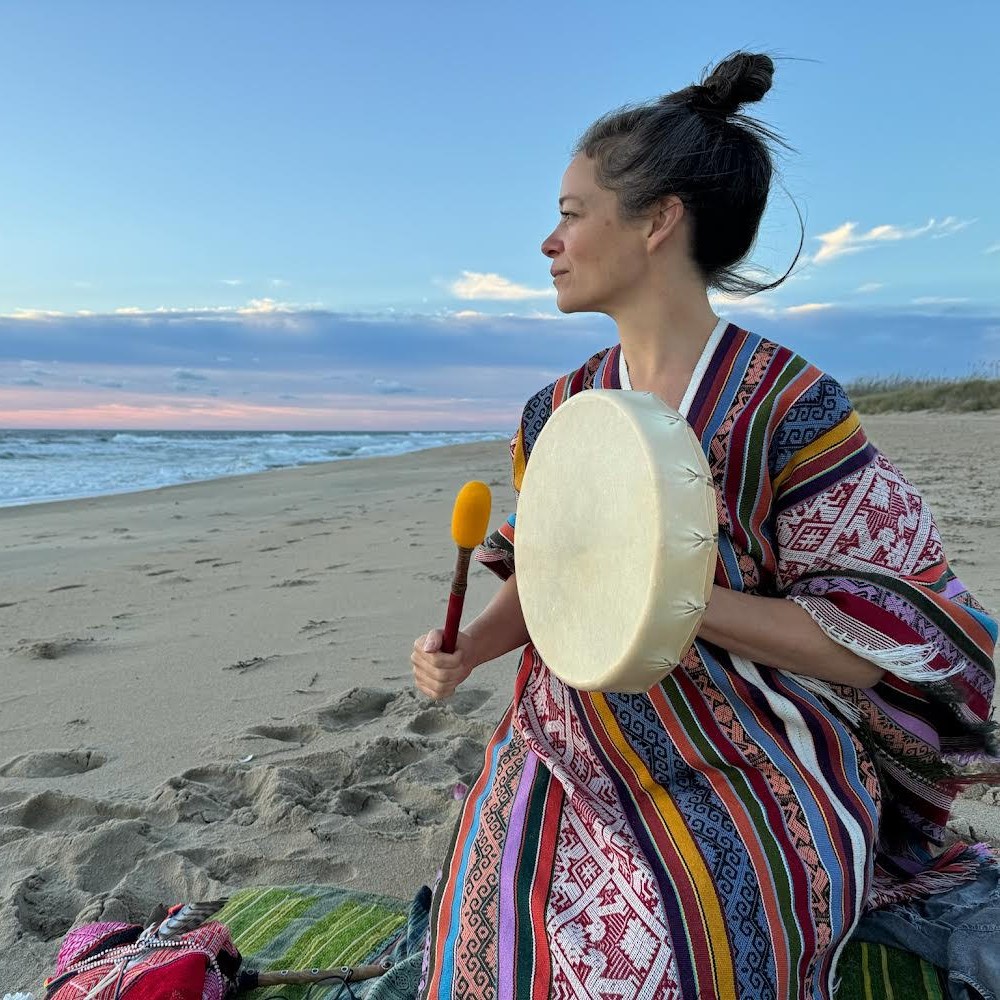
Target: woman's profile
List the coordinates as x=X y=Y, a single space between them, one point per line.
x=722 y=834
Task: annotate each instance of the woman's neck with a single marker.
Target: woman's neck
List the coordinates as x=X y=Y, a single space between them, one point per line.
x=662 y=339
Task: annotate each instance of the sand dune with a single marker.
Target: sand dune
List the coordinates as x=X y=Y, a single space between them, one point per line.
x=208 y=686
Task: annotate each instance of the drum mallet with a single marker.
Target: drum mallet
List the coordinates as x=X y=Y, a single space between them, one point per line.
x=469 y=521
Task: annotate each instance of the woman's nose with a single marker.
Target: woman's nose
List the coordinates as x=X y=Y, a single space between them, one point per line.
x=551 y=245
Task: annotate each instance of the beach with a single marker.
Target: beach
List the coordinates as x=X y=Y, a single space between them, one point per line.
x=207 y=686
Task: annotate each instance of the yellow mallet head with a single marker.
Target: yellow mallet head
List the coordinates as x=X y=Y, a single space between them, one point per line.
x=471 y=517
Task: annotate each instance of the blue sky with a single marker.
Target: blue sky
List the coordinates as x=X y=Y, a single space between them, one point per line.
x=328 y=215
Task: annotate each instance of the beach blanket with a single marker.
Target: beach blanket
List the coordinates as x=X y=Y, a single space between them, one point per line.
x=310 y=926
x=722 y=834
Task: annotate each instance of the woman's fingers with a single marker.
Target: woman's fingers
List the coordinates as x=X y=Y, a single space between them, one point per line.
x=437 y=674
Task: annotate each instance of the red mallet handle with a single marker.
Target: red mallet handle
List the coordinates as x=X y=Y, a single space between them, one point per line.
x=457 y=599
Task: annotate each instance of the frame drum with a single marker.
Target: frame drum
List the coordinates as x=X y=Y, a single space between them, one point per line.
x=616 y=540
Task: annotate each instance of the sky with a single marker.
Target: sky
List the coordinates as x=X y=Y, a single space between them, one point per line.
x=328 y=215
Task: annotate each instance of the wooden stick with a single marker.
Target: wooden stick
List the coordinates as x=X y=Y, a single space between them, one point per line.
x=288 y=977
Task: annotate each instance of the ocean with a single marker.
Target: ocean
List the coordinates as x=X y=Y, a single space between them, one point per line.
x=43 y=465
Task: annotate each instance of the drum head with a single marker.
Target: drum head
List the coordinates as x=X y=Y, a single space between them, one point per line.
x=615 y=540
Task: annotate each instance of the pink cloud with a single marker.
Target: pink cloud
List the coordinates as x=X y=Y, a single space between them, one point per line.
x=69 y=409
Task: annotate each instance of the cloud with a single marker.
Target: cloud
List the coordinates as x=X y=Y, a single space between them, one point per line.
x=950 y=226
x=254 y=307
x=390 y=387
x=33 y=368
x=231 y=281
x=104 y=383
x=34 y=314
x=26 y=381
x=475 y=285
x=382 y=371
x=807 y=307
x=993 y=248
x=846 y=239
x=762 y=304
x=939 y=300
x=869 y=286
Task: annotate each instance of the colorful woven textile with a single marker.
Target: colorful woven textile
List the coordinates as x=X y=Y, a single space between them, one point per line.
x=721 y=835
x=305 y=927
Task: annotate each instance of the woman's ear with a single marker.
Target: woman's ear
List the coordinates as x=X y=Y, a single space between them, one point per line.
x=664 y=221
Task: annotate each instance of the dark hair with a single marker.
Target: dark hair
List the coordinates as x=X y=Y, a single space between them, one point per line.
x=695 y=143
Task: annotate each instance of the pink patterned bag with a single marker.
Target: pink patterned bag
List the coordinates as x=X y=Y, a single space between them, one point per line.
x=114 y=961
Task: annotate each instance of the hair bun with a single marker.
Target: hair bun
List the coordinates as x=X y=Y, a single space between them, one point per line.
x=742 y=78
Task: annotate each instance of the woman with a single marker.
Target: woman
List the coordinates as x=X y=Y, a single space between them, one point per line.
x=722 y=834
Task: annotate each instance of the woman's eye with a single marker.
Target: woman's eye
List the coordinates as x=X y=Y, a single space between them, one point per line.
x=567 y=215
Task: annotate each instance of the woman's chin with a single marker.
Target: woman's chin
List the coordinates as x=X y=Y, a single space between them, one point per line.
x=567 y=303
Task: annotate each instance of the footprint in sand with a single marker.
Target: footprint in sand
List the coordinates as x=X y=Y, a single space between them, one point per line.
x=202 y=795
x=246 y=867
x=53 y=763
x=45 y=906
x=437 y=722
x=64 y=813
x=297 y=735
x=388 y=754
x=49 y=649
x=355 y=708
x=374 y=809
x=66 y=586
x=268 y=794
x=466 y=700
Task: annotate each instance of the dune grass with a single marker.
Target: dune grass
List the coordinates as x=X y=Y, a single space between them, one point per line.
x=978 y=391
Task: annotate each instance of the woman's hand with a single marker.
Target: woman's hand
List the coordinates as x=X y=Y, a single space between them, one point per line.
x=438 y=674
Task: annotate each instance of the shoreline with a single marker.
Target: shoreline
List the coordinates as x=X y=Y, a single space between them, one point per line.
x=237 y=476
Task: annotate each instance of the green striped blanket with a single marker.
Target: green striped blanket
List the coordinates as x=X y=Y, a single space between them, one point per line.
x=306 y=926
x=309 y=926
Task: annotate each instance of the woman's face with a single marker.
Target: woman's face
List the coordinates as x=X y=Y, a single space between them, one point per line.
x=597 y=258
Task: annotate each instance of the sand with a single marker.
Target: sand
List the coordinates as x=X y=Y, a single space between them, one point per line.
x=208 y=686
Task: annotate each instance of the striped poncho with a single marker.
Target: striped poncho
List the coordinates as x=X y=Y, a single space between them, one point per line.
x=720 y=835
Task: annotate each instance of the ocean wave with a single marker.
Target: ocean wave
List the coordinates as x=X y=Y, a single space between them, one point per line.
x=54 y=465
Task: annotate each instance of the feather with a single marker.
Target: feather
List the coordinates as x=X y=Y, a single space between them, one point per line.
x=187 y=918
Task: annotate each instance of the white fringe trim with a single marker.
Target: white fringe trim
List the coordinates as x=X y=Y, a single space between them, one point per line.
x=822 y=689
x=911 y=662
